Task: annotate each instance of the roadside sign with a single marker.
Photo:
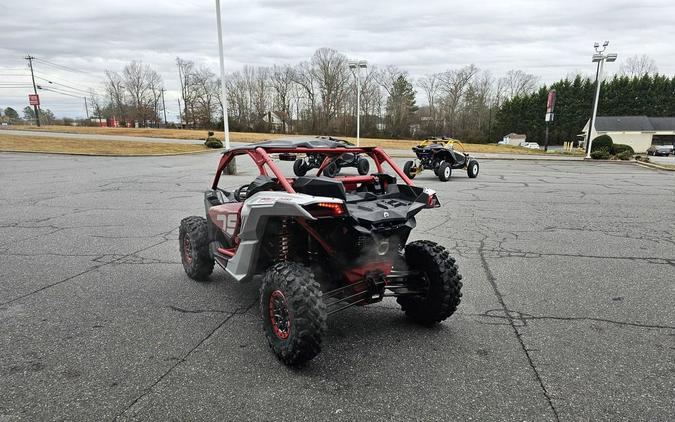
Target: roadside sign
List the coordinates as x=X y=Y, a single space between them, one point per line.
x=550 y=102
x=34 y=99
x=549 y=117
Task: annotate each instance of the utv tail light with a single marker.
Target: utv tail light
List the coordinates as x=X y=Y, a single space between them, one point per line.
x=327 y=209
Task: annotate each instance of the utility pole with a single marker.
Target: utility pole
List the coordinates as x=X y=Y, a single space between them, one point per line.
x=180 y=114
x=35 y=107
x=86 y=109
x=164 y=107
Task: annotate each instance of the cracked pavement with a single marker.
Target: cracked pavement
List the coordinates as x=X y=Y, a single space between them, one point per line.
x=567 y=314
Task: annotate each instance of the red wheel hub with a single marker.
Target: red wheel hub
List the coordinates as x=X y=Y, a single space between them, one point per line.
x=187 y=249
x=278 y=314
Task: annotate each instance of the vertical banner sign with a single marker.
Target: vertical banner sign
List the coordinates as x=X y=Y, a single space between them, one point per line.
x=550 y=105
x=34 y=99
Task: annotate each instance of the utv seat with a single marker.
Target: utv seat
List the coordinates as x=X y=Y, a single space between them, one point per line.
x=319 y=186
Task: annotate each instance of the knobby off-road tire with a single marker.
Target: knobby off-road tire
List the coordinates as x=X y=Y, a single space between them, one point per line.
x=444 y=171
x=362 y=166
x=408 y=170
x=193 y=241
x=300 y=167
x=443 y=285
x=290 y=291
x=472 y=169
x=331 y=170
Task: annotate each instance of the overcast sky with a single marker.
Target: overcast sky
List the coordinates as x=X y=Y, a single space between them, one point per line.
x=548 y=38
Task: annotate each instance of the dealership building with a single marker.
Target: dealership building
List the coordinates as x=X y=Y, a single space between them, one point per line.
x=640 y=132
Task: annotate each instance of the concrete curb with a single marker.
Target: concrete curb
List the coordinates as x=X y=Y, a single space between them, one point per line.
x=91 y=154
x=653 y=166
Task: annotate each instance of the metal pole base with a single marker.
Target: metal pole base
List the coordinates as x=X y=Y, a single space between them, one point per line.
x=231 y=168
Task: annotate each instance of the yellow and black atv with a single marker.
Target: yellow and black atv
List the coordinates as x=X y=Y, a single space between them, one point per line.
x=440 y=156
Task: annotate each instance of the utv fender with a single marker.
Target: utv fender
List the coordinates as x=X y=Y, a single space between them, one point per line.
x=255 y=213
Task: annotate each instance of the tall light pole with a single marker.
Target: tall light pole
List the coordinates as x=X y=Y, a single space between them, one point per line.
x=223 y=93
x=600 y=59
x=358 y=65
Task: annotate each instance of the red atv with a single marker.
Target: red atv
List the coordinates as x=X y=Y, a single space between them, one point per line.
x=320 y=244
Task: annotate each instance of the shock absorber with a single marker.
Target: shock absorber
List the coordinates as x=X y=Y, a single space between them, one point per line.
x=284 y=240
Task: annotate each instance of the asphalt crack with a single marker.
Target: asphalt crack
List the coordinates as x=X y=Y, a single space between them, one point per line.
x=149 y=389
x=493 y=282
x=520 y=319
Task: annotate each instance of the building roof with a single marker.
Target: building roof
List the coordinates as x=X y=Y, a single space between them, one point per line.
x=516 y=135
x=634 y=124
x=663 y=123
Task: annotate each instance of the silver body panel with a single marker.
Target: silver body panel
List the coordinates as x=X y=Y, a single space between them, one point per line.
x=254 y=215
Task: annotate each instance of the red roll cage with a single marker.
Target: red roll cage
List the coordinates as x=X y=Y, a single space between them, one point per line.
x=261 y=157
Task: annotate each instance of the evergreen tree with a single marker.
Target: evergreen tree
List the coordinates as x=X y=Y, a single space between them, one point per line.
x=400 y=108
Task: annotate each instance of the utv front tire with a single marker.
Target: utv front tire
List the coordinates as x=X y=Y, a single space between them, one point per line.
x=293 y=312
x=362 y=166
x=472 y=169
x=300 y=167
x=408 y=170
x=438 y=280
x=193 y=240
x=444 y=171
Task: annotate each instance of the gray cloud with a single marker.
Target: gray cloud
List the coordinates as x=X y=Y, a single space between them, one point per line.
x=547 y=38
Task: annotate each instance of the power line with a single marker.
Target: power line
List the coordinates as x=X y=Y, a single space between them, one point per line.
x=70 y=94
x=63 y=85
x=63 y=67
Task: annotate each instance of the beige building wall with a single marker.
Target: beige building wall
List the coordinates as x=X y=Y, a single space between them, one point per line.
x=639 y=141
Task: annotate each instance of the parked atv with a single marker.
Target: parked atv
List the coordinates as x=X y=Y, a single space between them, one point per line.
x=336 y=163
x=440 y=156
x=320 y=244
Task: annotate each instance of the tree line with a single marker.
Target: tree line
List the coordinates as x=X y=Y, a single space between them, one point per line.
x=318 y=96
x=621 y=95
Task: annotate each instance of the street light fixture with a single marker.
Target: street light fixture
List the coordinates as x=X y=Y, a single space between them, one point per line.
x=600 y=59
x=358 y=65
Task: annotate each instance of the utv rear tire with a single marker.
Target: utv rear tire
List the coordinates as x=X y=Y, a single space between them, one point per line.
x=331 y=170
x=407 y=169
x=193 y=240
x=472 y=169
x=289 y=289
x=362 y=166
x=440 y=279
x=300 y=167
x=444 y=171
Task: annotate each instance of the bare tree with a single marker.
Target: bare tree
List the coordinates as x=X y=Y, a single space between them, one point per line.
x=304 y=77
x=453 y=84
x=331 y=73
x=636 y=66
x=516 y=83
x=114 y=86
x=282 y=83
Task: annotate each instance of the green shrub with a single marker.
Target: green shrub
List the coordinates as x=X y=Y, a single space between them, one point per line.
x=213 y=142
x=600 y=154
x=625 y=155
x=602 y=142
x=619 y=148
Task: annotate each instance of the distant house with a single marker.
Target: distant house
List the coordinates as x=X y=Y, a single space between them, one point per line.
x=514 y=139
x=640 y=132
x=278 y=121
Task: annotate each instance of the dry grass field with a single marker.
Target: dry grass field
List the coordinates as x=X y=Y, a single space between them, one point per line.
x=92 y=147
x=259 y=137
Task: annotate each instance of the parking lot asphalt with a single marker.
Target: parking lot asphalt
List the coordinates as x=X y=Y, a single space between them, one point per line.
x=567 y=314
